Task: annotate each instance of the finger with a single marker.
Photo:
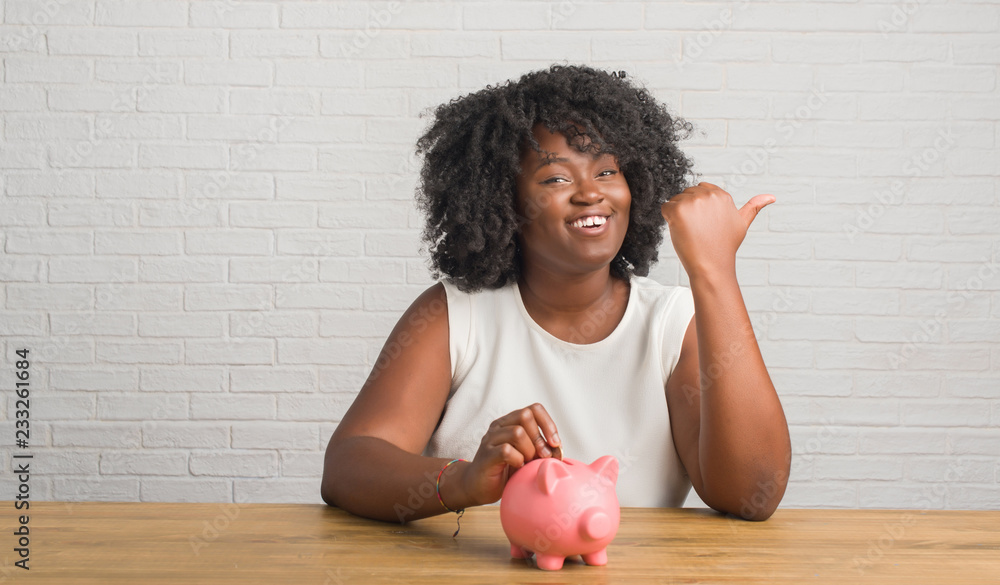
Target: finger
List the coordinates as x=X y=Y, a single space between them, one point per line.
x=528 y=418
x=546 y=424
x=751 y=208
x=512 y=457
x=513 y=439
x=665 y=209
x=527 y=421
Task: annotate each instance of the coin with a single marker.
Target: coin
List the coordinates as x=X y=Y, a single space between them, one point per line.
x=557 y=453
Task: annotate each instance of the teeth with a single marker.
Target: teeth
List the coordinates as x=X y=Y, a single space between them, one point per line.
x=589 y=221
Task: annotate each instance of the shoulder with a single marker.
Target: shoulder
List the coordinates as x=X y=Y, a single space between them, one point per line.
x=433 y=301
x=663 y=296
x=425 y=320
x=445 y=292
x=466 y=300
x=453 y=288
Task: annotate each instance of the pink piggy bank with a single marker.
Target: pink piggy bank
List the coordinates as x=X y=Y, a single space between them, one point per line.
x=555 y=509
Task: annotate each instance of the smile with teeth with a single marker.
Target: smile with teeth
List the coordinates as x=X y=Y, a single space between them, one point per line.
x=590 y=221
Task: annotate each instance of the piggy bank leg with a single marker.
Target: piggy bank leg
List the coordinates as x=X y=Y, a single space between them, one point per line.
x=549 y=562
x=596 y=558
x=518 y=552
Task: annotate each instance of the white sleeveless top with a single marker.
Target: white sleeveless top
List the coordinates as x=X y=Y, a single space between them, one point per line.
x=606 y=398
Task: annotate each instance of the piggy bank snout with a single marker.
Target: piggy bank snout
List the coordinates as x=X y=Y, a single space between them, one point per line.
x=595 y=524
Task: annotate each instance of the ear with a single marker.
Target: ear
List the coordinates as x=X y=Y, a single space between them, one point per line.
x=550 y=472
x=607 y=468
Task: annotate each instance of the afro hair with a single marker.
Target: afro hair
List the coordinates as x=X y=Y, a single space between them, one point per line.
x=472 y=153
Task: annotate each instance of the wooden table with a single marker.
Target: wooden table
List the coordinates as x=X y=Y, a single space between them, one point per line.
x=153 y=543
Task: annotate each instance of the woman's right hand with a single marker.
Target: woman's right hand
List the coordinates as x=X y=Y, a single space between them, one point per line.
x=511 y=441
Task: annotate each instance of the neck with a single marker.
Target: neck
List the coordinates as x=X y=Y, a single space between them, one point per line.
x=562 y=294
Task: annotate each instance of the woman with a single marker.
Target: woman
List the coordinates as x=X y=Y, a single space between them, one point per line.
x=546 y=201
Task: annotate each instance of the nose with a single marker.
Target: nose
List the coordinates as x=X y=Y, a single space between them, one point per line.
x=595 y=524
x=587 y=193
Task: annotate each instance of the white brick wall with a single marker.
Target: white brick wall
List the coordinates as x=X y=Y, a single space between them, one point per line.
x=207 y=225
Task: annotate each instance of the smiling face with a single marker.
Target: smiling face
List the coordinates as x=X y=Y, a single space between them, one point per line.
x=576 y=206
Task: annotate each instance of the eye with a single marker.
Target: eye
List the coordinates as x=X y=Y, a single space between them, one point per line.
x=613 y=172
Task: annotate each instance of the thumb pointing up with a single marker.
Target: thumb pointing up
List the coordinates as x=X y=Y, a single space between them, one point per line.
x=751 y=208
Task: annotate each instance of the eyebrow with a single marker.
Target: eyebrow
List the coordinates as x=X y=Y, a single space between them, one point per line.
x=550 y=160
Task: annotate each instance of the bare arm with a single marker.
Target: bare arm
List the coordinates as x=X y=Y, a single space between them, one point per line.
x=373 y=466
x=728 y=425
x=729 y=428
x=744 y=449
x=378 y=480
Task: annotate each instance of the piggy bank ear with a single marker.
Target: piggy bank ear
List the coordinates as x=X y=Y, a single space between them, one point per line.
x=550 y=472
x=607 y=468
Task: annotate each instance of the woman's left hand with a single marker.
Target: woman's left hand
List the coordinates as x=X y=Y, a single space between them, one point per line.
x=706 y=229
